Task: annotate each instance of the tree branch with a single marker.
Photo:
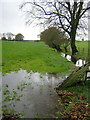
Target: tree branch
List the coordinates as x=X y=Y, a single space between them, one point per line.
x=84 y=11
x=63 y=26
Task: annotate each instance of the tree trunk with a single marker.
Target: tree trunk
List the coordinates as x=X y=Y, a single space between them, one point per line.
x=73 y=59
x=57 y=47
x=73 y=46
x=65 y=48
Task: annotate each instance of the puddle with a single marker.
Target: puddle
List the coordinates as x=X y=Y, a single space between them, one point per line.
x=78 y=62
x=68 y=57
x=38 y=97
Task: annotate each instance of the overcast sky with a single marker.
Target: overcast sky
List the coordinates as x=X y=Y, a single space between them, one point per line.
x=12 y=20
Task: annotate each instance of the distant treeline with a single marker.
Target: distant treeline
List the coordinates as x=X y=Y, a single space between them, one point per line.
x=24 y=40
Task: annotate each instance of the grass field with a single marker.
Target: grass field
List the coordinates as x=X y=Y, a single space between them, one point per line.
x=83 y=48
x=35 y=56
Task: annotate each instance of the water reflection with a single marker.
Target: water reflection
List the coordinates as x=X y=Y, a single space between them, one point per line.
x=37 y=90
x=77 y=62
x=66 y=56
x=80 y=62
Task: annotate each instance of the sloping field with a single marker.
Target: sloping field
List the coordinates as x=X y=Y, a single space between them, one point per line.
x=35 y=56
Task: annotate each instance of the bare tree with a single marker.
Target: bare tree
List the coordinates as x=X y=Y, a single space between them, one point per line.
x=10 y=35
x=66 y=15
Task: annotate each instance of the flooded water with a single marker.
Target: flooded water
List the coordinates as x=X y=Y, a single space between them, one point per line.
x=78 y=62
x=31 y=93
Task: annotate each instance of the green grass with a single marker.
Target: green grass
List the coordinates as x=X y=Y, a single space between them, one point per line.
x=82 y=47
x=35 y=56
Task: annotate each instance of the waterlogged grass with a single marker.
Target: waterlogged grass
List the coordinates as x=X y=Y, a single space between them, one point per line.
x=35 y=56
x=10 y=98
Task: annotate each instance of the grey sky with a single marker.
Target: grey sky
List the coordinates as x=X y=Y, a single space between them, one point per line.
x=12 y=20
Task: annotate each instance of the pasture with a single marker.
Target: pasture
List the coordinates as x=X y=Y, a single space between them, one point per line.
x=35 y=56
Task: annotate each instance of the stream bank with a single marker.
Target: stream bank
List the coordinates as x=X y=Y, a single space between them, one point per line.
x=76 y=101
x=75 y=92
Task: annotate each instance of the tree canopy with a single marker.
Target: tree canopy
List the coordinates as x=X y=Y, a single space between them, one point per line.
x=19 y=36
x=54 y=38
x=8 y=36
x=70 y=16
x=3 y=38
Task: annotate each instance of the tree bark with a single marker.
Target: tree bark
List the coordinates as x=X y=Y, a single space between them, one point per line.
x=65 y=48
x=73 y=59
x=73 y=46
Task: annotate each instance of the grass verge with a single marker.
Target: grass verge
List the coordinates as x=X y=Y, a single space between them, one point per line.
x=76 y=101
x=81 y=89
